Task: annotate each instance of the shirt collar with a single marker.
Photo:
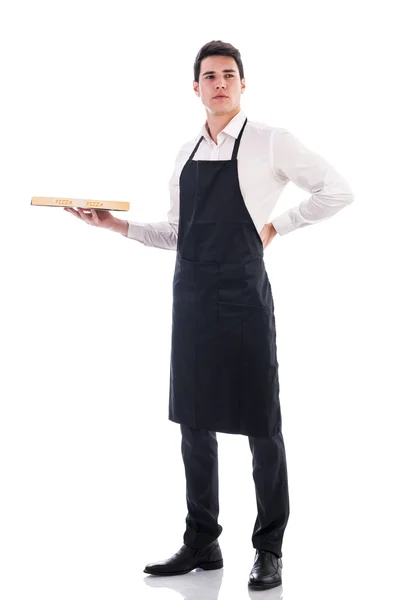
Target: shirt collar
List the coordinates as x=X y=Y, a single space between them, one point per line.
x=232 y=128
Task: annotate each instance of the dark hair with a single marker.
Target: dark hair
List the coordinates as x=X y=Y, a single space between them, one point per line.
x=217 y=47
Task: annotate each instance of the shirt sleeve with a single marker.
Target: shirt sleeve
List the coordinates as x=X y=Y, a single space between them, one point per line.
x=292 y=161
x=163 y=234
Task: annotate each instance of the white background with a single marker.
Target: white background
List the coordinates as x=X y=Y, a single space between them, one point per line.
x=96 y=99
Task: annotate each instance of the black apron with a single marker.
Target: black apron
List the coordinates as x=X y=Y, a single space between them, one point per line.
x=224 y=367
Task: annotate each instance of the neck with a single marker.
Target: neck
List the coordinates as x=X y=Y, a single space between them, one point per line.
x=217 y=122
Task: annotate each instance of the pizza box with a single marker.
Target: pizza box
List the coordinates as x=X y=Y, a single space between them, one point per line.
x=79 y=203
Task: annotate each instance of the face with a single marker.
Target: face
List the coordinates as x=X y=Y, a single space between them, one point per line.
x=219 y=76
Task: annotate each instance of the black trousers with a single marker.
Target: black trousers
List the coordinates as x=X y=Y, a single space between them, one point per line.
x=200 y=457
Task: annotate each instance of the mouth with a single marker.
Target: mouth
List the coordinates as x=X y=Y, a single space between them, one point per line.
x=219 y=97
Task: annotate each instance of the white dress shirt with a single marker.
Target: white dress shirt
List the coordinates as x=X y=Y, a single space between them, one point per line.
x=268 y=158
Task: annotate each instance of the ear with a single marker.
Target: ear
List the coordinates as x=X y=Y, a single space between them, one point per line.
x=243 y=84
x=196 y=88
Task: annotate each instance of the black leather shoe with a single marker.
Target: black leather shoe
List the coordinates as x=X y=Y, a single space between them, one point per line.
x=266 y=572
x=187 y=559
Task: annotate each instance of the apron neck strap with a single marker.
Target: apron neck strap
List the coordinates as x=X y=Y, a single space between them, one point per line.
x=195 y=148
x=237 y=141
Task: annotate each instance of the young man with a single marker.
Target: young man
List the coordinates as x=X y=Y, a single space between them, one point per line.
x=224 y=367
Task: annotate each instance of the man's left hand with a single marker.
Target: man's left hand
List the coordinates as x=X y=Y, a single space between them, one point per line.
x=267 y=234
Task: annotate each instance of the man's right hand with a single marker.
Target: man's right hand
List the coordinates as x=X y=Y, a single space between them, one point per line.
x=99 y=218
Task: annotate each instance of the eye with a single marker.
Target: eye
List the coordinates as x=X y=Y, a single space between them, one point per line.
x=228 y=75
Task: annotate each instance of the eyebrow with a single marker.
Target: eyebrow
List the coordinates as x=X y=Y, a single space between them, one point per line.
x=224 y=71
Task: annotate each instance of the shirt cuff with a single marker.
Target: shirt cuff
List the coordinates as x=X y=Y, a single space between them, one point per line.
x=283 y=224
x=136 y=231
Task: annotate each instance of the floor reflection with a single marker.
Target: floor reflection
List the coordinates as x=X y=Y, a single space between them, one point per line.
x=205 y=585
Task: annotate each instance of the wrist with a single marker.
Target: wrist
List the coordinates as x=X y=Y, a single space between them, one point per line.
x=121 y=226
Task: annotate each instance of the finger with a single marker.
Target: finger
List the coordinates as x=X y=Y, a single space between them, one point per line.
x=84 y=215
x=95 y=217
x=72 y=212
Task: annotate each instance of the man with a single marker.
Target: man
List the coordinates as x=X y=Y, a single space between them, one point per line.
x=224 y=367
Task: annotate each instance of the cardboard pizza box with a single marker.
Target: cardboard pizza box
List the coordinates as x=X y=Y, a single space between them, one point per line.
x=79 y=203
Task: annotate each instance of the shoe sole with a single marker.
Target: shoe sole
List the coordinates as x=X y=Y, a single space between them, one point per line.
x=209 y=566
x=264 y=586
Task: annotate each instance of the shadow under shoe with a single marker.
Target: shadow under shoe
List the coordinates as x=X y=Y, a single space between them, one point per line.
x=186 y=559
x=266 y=572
